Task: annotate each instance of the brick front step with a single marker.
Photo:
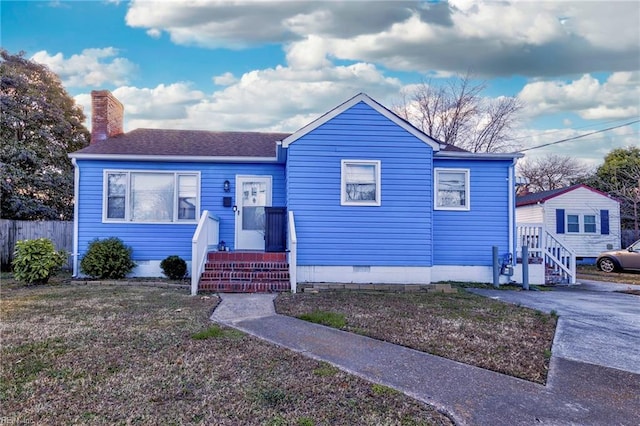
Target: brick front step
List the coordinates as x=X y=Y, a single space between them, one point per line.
x=243 y=287
x=245 y=272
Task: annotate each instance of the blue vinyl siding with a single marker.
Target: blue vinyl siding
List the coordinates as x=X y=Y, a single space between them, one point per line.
x=396 y=233
x=157 y=241
x=467 y=237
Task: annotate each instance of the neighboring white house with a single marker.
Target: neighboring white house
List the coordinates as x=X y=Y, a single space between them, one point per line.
x=580 y=217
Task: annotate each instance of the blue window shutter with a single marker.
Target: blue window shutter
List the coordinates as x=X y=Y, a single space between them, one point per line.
x=559 y=221
x=604 y=222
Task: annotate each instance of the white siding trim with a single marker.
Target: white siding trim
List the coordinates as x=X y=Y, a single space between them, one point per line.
x=149 y=269
x=360 y=274
x=410 y=274
x=76 y=209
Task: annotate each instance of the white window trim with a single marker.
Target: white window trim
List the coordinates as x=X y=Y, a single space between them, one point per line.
x=467 y=188
x=343 y=183
x=127 y=197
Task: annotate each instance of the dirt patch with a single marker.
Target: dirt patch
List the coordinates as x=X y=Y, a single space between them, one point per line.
x=463 y=327
x=89 y=354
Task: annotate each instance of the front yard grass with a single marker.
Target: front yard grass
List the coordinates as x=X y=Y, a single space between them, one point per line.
x=100 y=354
x=460 y=326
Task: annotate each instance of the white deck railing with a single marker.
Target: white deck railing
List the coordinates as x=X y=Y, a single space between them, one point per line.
x=559 y=260
x=206 y=235
x=292 y=247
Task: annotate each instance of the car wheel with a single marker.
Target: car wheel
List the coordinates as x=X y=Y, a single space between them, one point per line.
x=607 y=265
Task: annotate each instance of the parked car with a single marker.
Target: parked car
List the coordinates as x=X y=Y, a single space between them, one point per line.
x=620 y=260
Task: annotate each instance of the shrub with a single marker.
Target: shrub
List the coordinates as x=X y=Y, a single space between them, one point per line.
x=107 y=259
x=36 y=260
x=174 y=267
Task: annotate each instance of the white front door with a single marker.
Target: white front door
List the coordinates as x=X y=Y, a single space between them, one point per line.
x=253 y=194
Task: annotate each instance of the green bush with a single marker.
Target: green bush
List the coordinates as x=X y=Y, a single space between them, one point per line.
x=174 y=267
x=107 y=259
x=34 y=261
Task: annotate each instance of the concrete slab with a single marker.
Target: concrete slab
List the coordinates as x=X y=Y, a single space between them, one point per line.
x=577 y=393
x=237 y=307
x=597 y=327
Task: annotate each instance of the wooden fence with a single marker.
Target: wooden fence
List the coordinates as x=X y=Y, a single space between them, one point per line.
x=61 y=233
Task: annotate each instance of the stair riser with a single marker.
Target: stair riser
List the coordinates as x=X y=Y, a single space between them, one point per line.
x=234 y=287
x=246 y=266
x=245 y=276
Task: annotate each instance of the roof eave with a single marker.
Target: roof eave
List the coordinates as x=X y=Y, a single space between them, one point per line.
x=174 y=158
x=478 y=155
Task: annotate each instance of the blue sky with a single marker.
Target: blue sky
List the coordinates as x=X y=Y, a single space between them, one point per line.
x=278 y=65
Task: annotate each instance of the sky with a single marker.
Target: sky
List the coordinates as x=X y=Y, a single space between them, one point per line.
x=276 y=66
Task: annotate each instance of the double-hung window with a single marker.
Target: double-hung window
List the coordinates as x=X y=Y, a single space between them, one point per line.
x=589 y=224
x=360 y=183
x=452 y=189
x=573 y=223
x=150 y=196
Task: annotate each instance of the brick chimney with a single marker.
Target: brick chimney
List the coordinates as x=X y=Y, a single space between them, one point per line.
x=107 y=114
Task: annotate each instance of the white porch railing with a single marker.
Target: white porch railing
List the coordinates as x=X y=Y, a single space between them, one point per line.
x=559 y=260
x=292 y=246
x=206 y=235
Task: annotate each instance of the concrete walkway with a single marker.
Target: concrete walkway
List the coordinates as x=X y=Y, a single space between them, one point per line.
x=577 y=393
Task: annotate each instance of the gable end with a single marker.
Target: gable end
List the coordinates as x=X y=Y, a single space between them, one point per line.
x=362 y=97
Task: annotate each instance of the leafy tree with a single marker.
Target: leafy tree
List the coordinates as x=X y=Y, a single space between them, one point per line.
x=39 y=125
x=619 y=176
x=551 y=171
x=457 y=114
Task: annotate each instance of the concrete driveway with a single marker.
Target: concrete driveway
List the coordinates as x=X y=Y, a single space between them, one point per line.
x=595 y=326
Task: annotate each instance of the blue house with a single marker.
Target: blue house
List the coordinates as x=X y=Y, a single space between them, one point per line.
x=357 y=196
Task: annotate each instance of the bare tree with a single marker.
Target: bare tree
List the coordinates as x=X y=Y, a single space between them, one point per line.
x=457 y=114
x=551 y=171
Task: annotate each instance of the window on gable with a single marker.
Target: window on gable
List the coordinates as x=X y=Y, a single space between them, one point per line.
x=360 y=183
x=150 y=197
x=590 y=223
x=452 y=189
x=573 y=223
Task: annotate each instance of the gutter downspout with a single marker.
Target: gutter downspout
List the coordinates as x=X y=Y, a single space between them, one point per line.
x=512 y=212
x=76 y=201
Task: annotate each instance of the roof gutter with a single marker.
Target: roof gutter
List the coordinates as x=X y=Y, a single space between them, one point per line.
x=478 y=155
x=173 y=158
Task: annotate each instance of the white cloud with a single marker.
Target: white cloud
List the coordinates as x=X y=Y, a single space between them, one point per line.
x=92 y=67
x=492 y=38
x=617 y=97
x=589 y=150
x=274 y=99
x=154 y=33
x=226 y=79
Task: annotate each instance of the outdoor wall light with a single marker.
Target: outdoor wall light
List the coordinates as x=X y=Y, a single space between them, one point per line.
x=226 y=185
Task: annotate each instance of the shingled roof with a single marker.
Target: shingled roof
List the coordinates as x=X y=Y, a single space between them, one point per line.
x=187 y=143
x=541 y=197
